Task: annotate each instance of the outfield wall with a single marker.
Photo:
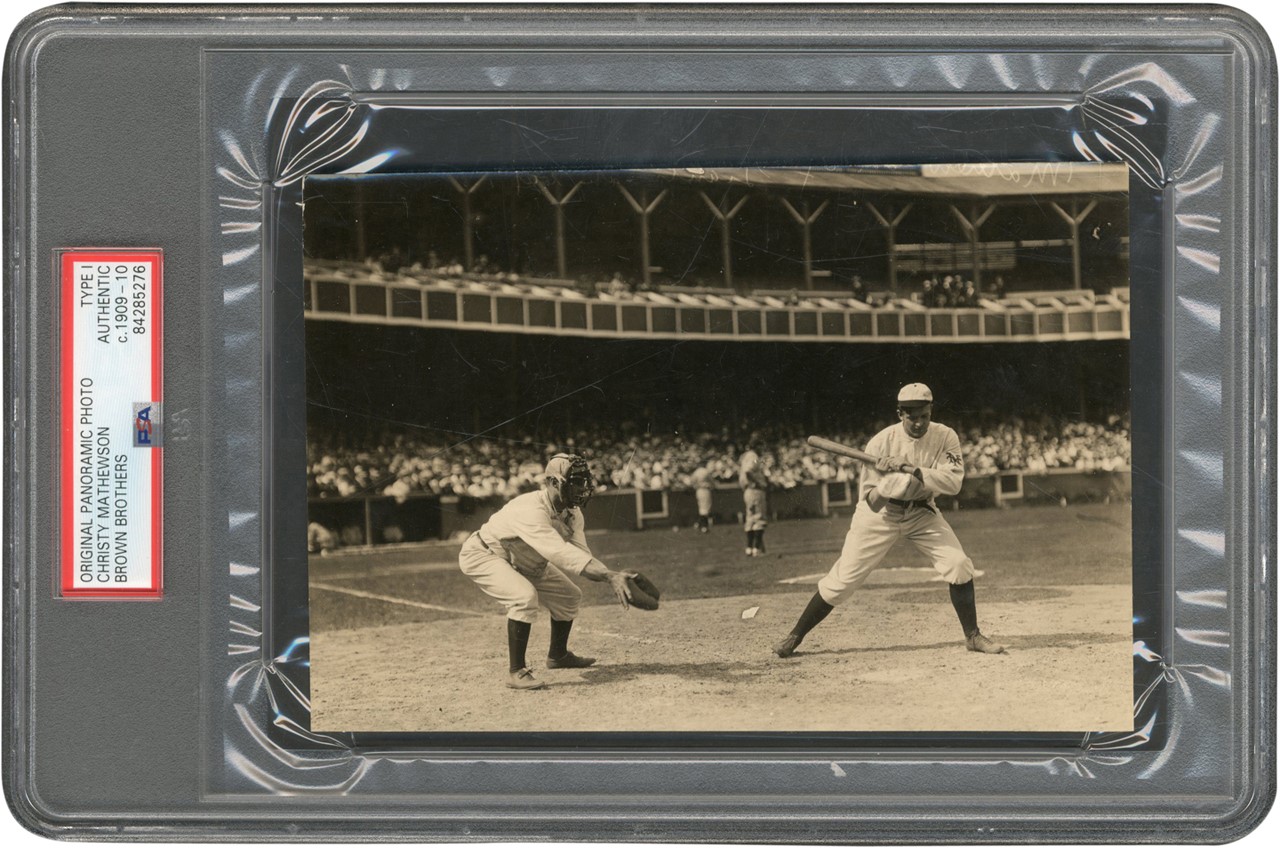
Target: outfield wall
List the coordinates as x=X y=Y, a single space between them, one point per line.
x=379 y=519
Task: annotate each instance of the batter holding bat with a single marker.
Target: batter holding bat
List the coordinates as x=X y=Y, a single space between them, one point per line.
x=906 y=466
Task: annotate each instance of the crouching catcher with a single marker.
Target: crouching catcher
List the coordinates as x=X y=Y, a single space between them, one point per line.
x=523 y=556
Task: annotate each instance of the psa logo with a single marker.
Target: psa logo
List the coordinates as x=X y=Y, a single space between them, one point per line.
x=147 y=425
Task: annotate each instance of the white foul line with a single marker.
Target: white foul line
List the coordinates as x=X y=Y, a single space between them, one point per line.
x=390 y=600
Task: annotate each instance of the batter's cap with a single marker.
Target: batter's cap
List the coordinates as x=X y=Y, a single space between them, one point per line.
x=914 y=394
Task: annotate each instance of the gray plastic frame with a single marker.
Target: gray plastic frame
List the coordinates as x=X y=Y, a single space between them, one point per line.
x=161 y=720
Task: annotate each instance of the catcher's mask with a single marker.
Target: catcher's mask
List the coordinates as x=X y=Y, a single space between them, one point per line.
x=569 y=475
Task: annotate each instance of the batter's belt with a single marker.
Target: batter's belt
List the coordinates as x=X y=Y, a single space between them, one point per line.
x=906 y=504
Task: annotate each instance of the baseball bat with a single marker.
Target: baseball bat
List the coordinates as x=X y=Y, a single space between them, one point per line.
x=839 y=449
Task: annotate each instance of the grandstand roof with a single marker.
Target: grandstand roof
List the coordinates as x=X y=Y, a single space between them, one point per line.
x=973 y=180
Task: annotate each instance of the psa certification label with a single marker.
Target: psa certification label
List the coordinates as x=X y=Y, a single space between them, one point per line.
x=112 y=427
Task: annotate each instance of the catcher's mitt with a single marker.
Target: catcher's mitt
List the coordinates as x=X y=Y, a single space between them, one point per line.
x=644 y=595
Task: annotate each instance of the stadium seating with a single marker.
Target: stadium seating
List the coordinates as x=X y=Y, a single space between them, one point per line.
x=401 y=464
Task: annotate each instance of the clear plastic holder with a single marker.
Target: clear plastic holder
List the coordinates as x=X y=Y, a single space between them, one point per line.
x=193 y=131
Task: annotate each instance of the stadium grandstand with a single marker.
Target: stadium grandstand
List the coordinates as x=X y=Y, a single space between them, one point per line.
x=462 y=328
x=933 y=252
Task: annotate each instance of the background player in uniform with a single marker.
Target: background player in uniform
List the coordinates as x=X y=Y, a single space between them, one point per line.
x=702 y=492
x=520 y=556
x=754 y=483
x=918 y=459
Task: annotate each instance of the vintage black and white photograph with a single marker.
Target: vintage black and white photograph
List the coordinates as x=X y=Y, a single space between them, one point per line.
x=720 y=450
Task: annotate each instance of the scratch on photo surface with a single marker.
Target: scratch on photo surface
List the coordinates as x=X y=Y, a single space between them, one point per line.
x=693 y=130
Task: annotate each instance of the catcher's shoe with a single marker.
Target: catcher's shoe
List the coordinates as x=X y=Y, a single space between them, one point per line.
x=983 y=645
x=570 y=660
x=787 y=646
x=524 y=679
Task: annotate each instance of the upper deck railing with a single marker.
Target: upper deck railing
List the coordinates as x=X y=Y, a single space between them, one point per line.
x=555 y=307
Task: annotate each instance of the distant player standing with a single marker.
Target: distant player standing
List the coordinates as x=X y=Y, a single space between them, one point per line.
x=701 y=479
x=918 y=459
x=520 y=556
x=754 y=483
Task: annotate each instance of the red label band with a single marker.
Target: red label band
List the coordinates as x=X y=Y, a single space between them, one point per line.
x=111 y=445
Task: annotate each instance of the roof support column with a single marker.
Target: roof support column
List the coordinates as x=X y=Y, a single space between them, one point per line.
x=643 y=208
x=971 y=224
x=468 y=219
x=890 y=222
x=805 y=220
x=1074 y=219
x=725 y=215
x=362 y=249
x=558 y=204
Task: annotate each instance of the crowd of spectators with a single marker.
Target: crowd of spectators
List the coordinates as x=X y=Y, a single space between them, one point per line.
x=953 y=291
x=1040 y=445
x=401 y=464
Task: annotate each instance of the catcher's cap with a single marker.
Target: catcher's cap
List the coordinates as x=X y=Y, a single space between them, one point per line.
x=563 y=464
x=914 y=394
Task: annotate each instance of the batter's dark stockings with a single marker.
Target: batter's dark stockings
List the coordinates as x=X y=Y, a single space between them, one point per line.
x=517 y=641
x=559 y=638
x=966 y=611
x=812 y=616
x=760 y=541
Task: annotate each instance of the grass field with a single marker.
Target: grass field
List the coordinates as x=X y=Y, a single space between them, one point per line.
x=402 y=641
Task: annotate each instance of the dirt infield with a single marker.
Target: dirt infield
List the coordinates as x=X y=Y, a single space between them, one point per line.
x=402 y=642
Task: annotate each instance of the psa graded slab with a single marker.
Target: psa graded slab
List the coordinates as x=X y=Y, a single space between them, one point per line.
x=770 y=424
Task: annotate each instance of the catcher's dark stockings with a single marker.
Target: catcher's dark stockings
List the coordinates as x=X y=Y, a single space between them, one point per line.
x=812 y=616
x=517 y=641
x=966 y=611
x=559 y=638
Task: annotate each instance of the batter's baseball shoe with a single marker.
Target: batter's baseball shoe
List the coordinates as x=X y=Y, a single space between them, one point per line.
x=524 y=679
x=787 y=646
x=983 y=645
x=570 y=660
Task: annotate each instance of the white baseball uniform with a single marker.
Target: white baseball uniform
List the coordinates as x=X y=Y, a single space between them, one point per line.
x=751 y=478
x=702 y=490
x=520 y=556
x=914 y=517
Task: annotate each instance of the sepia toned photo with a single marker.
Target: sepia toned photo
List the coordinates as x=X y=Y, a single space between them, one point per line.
x=720 y=450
